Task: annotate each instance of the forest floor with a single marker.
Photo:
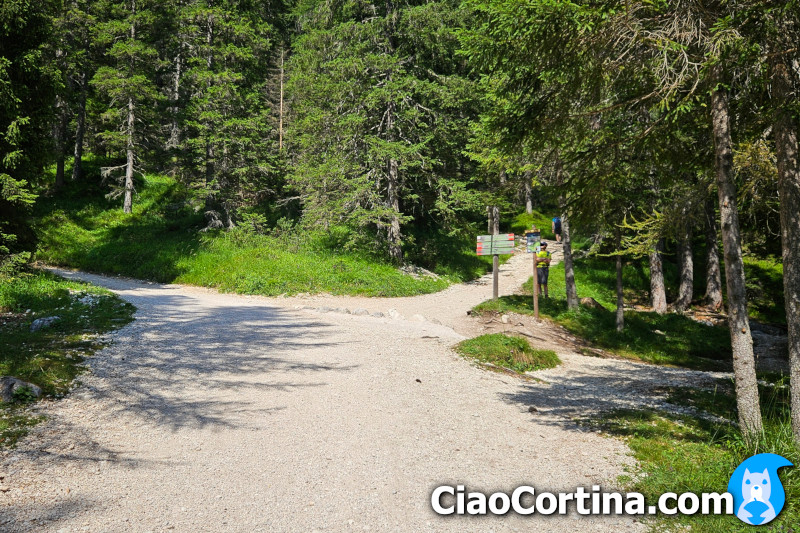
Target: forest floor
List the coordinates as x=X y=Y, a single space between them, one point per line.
x=221 y=412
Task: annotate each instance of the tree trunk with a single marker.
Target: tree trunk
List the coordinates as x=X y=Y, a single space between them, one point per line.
x=127 y=205
x=569 y=270
x=280 y=112
x=80 y=129
x=788 y=159
x=620 y=298
x=174 y=139
x=713 y=296
x=744 y=368
x=59 y=136
x=686 y=268
x=528 y=188
x=658 y=294
x=393 y=195
x=395 y=237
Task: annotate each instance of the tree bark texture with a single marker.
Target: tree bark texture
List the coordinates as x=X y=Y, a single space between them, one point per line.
x=658 y=294
x=127 y=205
x=788 y=159
x=174 y=139
x=527 y=184
x=713 y=296
x=686 y=268
x=393 y=196
x=60 y=137
x=80 y=130
x=744 y=368
x=569 y=270
x=620 y=317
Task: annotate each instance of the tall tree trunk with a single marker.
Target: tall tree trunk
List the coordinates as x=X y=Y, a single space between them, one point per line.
x=620 y=297
x=127 y=205
x=59 y=135
x=569 y=270
x=713 y=296
x=527 y=183
x=658 y=294
x=788 y=159
x=174 y=139
x=280 y=112
x=80 y=129
x=393 y=195
x=686 y=268
x=744 y=368
x=395 y=237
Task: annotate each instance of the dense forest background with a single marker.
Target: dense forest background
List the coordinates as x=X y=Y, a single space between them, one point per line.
x=655 y=129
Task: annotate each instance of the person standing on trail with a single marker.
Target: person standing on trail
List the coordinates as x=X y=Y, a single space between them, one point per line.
x=543 y=258
x=556 y=227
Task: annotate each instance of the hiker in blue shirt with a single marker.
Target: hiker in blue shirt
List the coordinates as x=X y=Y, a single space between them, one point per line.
x=556 y=226
x=543 y=258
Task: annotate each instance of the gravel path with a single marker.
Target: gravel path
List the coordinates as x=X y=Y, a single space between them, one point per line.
x=218 y=412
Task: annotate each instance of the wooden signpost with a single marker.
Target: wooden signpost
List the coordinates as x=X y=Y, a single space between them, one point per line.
x=533 y=240
x=495 y=245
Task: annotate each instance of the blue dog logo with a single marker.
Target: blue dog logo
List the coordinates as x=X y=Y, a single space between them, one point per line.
x=758 y=494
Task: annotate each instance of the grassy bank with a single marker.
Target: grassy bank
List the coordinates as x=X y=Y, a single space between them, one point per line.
x=161 y=240
x=662 y=339
x=51 y=357
x=511 y=353
x=691 y=454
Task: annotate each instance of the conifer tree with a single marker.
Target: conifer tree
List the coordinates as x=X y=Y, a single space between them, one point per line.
x=126 y=83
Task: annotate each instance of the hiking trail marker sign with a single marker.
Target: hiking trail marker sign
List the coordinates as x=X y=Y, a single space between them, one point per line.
x=533 y=240
x=495 y=245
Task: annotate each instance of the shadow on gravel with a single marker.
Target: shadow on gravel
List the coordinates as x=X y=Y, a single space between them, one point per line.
x=17 y=519
x=217 y=361
x=606 y=386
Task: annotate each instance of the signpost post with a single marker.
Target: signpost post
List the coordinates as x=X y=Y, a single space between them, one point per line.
x=533 y=239
x=495 y=245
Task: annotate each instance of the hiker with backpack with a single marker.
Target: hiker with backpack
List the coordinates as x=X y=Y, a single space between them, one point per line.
x=556 y=227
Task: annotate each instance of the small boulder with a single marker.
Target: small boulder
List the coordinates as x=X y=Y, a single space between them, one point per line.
x=504 y=319
x=360 y=311
x=44 y=322
x=418 y=318
x=10 y=384
x=377 y=314
x=394 y=313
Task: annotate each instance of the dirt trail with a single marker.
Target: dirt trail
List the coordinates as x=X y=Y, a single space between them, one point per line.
x=218 y=412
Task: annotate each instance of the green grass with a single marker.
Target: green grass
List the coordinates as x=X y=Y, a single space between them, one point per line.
x=523 y=222
x=51 y=357
x=691 y=454
x=682 y=341
x=513 y=353
x=765 y=298
x=161 y=241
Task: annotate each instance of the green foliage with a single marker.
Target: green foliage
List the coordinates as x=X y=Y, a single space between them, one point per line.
x=161 y=240
x=381 y=113
x=523 y=222
x=684 y=342
x=223 y=132
x=502 y=350
x=26 y=86
x=765 y=297
x=694 y=454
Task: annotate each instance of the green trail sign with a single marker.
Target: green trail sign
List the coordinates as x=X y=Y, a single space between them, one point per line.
x=502 y=244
